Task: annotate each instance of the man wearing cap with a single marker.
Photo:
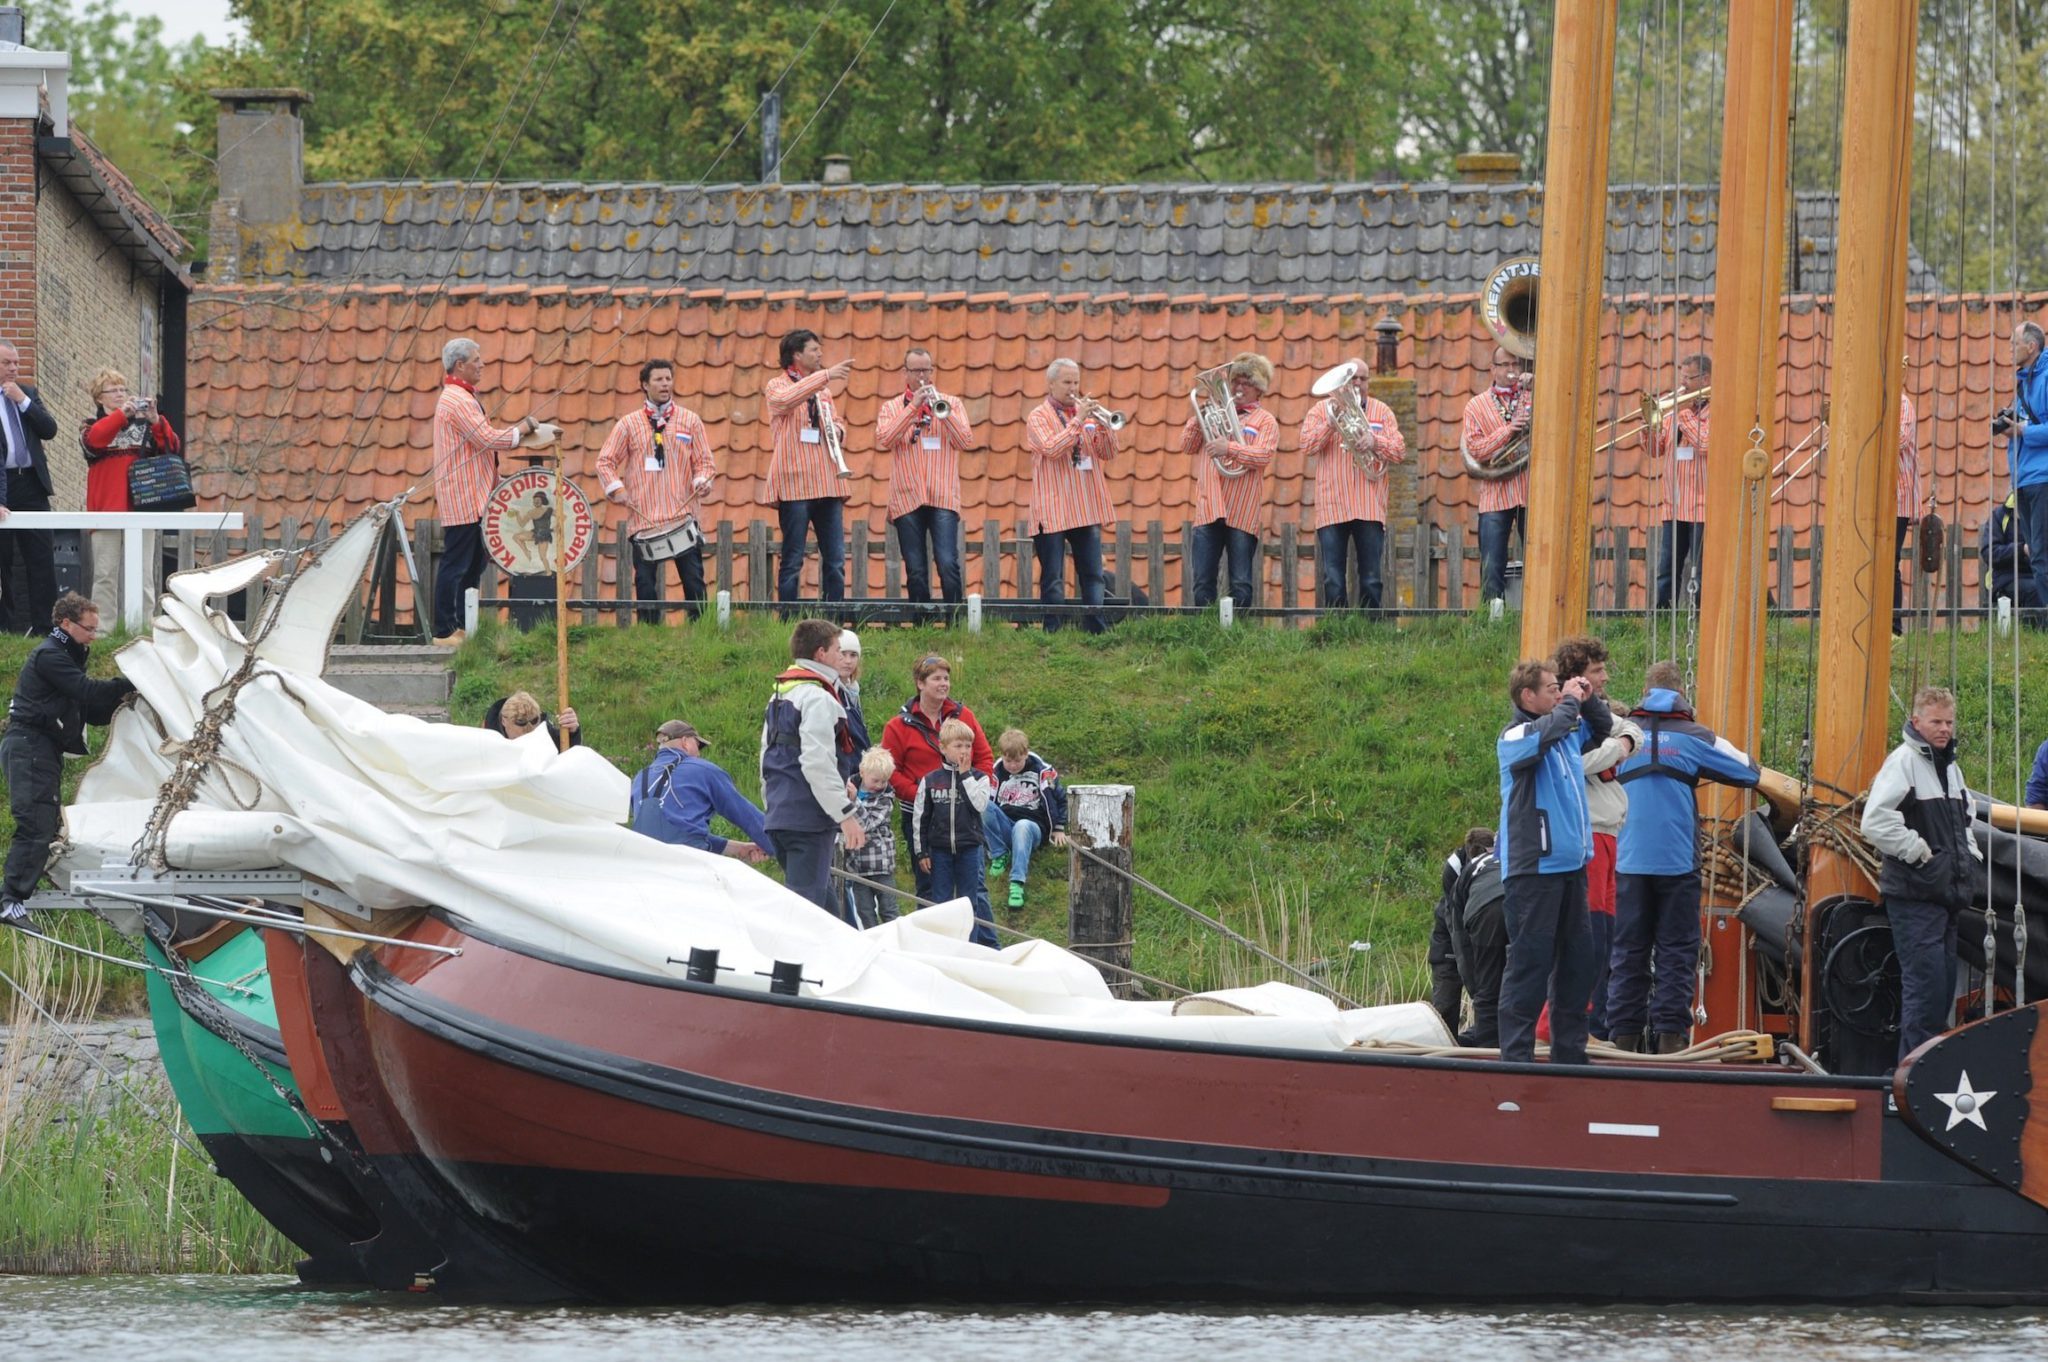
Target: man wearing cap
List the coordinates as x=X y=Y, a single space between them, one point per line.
x=675 y=797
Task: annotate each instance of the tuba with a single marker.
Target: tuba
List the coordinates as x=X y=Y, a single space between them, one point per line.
x=1508 y=305
x=1513 y=457
x=1217 y=411
x=1347 y=414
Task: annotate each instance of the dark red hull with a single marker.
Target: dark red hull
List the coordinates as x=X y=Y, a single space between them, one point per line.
x=647 y=1139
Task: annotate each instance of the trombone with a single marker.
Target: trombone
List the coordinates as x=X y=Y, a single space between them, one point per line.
x=1650 y=417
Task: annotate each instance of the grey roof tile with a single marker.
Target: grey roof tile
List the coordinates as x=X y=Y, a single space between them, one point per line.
x=1082 y=236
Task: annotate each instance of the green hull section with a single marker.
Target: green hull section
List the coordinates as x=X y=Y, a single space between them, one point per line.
x=221 y=1090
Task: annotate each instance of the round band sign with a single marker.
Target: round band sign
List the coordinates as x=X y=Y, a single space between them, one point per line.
x=524 y=514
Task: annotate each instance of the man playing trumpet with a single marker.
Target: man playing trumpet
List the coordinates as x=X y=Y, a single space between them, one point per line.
x=1682 y=446
x=1232 y=479
x=1070 y=438
x=1494 y=421
x=657 y=462
x=924 y=431
x=805 y=471
x=1352 y=437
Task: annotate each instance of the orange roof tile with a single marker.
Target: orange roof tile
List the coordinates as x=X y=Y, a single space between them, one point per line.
x=289 y=385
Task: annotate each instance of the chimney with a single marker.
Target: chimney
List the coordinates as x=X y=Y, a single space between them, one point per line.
x=13 y=28
x=1489 y=167
x=31 y=81
x=261 y=153
x=838 y=169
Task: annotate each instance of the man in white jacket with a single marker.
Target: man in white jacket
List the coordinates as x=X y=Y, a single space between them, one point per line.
x=1917 y=815
x=803 y=735
x=1606 y=805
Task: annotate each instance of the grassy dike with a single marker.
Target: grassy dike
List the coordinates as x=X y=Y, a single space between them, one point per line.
x=1302 y=785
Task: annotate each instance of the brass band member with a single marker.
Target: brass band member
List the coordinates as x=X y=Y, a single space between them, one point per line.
x=466 y=449
x=657 y=462
x=1912 y=501
x=1228 y=509
x=1070 y=439
x=1682 y=444
x=1351 y=490
x=924 y=431
x=804 y=480
x=1494 y=420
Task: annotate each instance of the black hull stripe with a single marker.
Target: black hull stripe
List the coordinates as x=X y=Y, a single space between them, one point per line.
x=1060 y=1154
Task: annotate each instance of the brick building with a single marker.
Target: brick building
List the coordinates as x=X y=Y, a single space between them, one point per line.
x=91 y=276
x=326 y=304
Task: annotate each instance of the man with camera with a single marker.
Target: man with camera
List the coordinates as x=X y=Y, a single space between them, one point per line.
x=2024 y=423
x=24 y=424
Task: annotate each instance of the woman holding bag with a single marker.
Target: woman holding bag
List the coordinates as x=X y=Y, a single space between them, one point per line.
x=123 y=430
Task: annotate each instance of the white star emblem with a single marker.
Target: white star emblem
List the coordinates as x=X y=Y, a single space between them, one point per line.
x=1965 y=1104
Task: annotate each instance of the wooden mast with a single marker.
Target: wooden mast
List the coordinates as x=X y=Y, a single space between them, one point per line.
x=1749 y=285
x=1852 y=712
x=1555 y=570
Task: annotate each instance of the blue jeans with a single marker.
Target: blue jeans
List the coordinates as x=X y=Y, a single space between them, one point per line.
x=1677 y=541
x=1210 y=541
x=1656 y=931
x=1924 y=935
x=1550 y=948
x=1016 y=838
x=1494 y=529
x=1334 y=546
x=826 y=517
x=806 y=860
x=944 y=528
x=1051 y=550
x=462 y=567
x=957 y=874
x=2033 y=532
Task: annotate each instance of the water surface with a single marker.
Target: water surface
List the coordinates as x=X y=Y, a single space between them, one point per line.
x=210 y=1319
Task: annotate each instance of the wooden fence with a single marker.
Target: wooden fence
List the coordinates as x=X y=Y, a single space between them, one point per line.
x=1000 y=566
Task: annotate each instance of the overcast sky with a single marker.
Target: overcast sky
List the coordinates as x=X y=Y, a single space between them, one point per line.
x=182 y=18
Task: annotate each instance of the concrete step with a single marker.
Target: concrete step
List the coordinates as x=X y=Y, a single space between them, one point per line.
x=433 y=714
x=386 y=687
x=388 y=652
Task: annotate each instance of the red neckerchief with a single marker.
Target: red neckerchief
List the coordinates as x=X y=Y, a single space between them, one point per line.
x=1247 y=408
x=657 y=423
x=452 y=381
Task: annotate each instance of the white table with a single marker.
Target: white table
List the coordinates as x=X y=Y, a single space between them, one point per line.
x=132 y=525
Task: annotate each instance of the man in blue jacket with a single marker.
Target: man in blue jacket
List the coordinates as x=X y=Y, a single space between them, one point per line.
x=2025 y=425
x=1657 y=865
x=1545 y=840
x=675 y=797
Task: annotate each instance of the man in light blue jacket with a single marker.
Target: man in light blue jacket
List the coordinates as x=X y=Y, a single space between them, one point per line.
x=1657 y=865
x=2025 y=426
x=1544 y=842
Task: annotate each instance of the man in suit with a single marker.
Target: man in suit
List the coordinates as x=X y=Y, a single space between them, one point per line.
x=24 y=424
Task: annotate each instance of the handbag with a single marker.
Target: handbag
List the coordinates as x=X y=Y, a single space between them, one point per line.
x=160 y=482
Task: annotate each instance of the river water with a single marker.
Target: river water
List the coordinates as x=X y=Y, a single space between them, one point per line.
x=211 y=1319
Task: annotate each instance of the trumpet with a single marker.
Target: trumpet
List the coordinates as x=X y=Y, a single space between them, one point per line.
x=1088 y=406
x=1217 y=412
x=938 y=406
x=1347 y=414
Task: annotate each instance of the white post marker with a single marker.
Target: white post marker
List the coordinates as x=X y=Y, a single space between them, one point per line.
x=133 y=525
x=470 y=607
x=1495 y=608
x=1226 y=610
x=974 y=612
x=2004 y=615
x=725 y=610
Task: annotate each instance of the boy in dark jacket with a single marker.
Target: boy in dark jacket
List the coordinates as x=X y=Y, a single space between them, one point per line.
x=53 y=702
x=946 y=827
x=1029 y=806
x=1918 y=816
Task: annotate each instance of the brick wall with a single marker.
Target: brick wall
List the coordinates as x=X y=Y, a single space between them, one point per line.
x=18 y=238
x=94 y=312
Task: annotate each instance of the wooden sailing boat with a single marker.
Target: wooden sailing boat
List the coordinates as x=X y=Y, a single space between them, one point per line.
x=565 y=1127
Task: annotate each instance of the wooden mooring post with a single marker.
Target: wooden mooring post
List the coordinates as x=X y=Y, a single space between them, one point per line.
x=1098 y=898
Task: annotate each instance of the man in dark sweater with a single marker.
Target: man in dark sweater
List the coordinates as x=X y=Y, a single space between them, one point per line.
x=53 y=702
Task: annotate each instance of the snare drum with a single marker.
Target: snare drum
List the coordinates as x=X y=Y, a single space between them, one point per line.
x=658 y=546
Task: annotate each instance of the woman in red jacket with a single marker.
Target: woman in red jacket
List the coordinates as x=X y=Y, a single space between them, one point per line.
x=122 y=429
x=912 y=738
